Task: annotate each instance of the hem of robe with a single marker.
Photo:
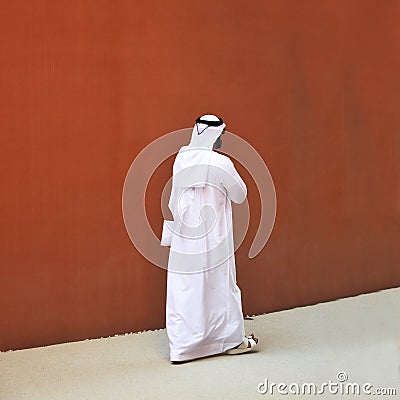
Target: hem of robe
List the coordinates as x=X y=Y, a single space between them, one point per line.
x=203 y=351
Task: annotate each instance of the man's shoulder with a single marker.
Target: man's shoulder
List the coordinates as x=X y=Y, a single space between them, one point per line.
x=222 y=158
x=182 y=149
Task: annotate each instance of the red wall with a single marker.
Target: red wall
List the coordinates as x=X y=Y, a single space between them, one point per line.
x=86 y=85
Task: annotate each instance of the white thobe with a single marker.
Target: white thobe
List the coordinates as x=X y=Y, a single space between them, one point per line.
x=203 y=305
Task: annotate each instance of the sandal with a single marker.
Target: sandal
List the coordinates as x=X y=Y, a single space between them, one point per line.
x=249 y=344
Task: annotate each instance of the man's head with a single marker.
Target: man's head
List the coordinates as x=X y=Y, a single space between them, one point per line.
x=207 y=132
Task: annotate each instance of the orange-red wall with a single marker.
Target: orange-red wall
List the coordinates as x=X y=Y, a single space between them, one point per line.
x=86 y=85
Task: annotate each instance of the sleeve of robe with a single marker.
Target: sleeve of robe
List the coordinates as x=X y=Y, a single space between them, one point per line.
x=234 y=185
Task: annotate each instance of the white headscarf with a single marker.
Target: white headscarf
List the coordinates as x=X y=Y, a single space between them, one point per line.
x=204 y=135
x=193 y=162
x=195 y=167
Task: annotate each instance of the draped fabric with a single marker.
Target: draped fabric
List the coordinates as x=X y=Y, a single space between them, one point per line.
x=203 y=306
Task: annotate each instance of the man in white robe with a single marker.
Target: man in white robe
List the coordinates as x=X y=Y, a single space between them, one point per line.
x=203 y=306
